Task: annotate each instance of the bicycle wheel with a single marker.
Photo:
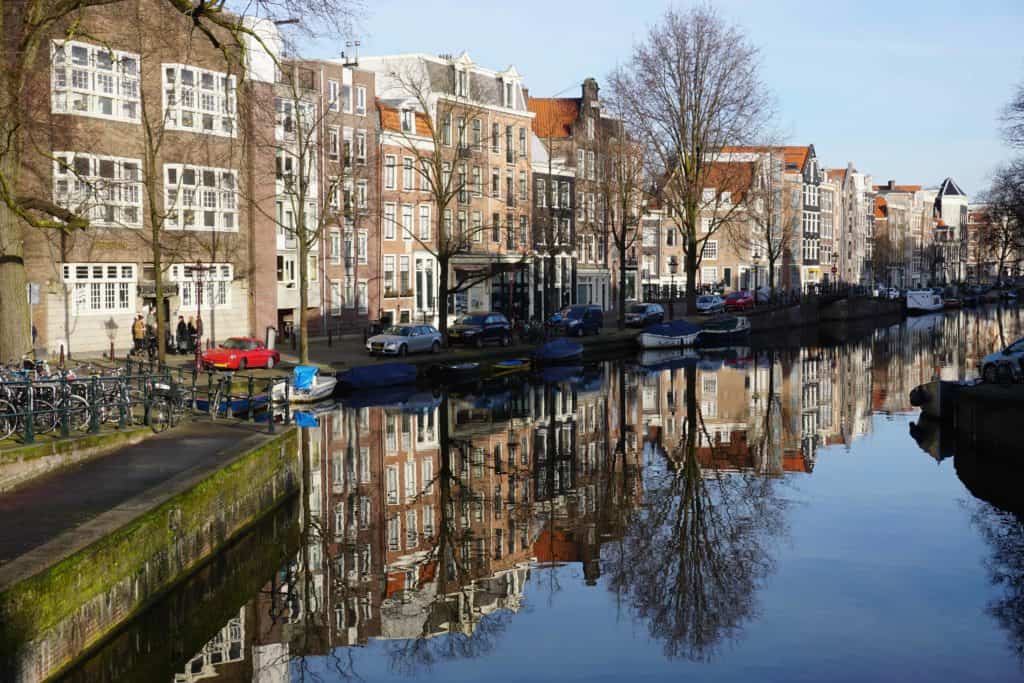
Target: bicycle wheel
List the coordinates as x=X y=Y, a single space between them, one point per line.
x=8 y=420
x=160 y=415
x=44 y=417
x=215 y=404
x=78 y=413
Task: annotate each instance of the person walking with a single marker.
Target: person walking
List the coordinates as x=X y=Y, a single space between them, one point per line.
x=181 y=335
x=191 y=334
x=138 y=332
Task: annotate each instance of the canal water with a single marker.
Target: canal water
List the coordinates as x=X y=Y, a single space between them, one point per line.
x=739 y=514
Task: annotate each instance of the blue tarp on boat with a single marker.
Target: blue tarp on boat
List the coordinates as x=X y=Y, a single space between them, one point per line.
x=305 y=419
x=673 y=328
x=558 y=350
x=303 y=376
x=373 y=376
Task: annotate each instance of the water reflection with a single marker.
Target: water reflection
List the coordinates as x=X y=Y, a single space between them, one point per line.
x=664 y=478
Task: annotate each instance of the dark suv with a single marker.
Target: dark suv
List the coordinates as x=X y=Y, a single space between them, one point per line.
x=642 y=315
x=479 y=329
x=579 y=320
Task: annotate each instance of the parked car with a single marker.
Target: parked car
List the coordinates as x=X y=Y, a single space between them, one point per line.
x=642 y=315
x=479 y=329
x=710 y=303
x=764 y=295
x=1005 y=365
x=740 y=300
x=239 y=353
x=399 y=340
x=578 y=320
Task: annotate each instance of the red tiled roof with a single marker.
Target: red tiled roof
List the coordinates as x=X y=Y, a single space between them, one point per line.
x=554 y=116
x=881 y=207
x=555 y=546
x=836 y=173
x=731 y=176
x=897 y=188
x=794 y=156
x=390 y=120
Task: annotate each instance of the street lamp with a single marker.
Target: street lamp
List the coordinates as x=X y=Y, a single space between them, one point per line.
x=756 y=258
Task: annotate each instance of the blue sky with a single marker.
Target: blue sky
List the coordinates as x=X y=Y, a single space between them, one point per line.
x=909 y=90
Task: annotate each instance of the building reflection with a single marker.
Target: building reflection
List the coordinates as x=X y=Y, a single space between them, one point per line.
x=425 y=520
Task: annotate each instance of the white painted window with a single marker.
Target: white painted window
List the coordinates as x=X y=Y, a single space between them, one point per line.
x=390 y=172
x=200 y=198
x=100 y=288
x=333 y=143
x=360 y=100
x=361 y=294
x=424 y=222
x=108 y=190
x=389 y=221
x=711 y=250
x=412 y=533
x=408 y=222
x=359 y=151
x=199 y=100
x=216 y=284
x=335 y=246
x=581 y=165
x=333 y=95
x=709 y=275
x=591 y=166
x=90 y=80
x=389 y=275
x=361 y=243
x=408 y=173
x=726 y=198
x=361 y=193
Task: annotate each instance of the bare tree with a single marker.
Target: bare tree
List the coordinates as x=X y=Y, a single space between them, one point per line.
x=1013 y=118
x=1001 y=230
x=772 y=221
x=24 y=96
x=690 y=89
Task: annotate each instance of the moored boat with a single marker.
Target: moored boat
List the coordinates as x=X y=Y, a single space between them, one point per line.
x=671 y=335
x=558 y=351
x=952 y=302
x=451 y=374
x=923 y=301
x=308 y=386
x=723 y=331
x=237 y=405
x=375 y=376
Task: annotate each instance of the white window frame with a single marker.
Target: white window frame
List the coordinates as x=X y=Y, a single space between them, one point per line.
x=77 y=88
x=216 y=279
x=180 y=199
x=710 y=250
x=187 y=107
x=92 y=284
x=333 y=95
x=98 y=197
x=360 y=100
x=425 y=225
x=390 y=172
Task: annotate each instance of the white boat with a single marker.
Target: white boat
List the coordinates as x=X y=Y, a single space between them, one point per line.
x=923 y=301
x=306 y=386
x=670 y=335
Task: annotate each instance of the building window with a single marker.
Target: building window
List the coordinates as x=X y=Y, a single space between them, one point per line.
x=539 y=198
x=100 y=288
x=216 y=282
x=523 y=230
x=360 y=100
x=408 y=222
x=361 y=193
x=389 y=171
x=495 y=138
x=199 y=100
x=709 y=275
x=477 y=134
x=105 y=189
x=581 y=164
x=446 y=129
x=710 y=251
x=495 y=183
x=408 y=122
x=335 y=247
x=389 y=276
x=424 y=222
x=360 y=147
x=333 y=96
x=523 y=188
x=90 y=80
x=522 y=143
x=389 y=221
x=333 y=143
x=200 y=198
x=496 y=227
x=407 y=174
x=404 y=282
x=478 y=226
x=591 y=166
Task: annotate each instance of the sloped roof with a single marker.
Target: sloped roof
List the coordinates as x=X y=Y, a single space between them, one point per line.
x=881 y=207
x=949 y=187
x=897 y=188
x=555 y=116
x=837 y=174
x=731 y=176
x=390 y=120
x=794 y=156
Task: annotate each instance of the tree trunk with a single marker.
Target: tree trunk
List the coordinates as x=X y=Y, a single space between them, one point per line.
x=549 y=287
x=442 y=298
x=303 y=299
x=691 y=275
x=158 y=286
x=15 y=326
x=621 y=313
x=771 y=275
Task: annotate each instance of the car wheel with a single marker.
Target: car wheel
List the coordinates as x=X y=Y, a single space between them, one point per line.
x=989 y=374
x=270 y=362
x=402 y=350
x=243 y=364
x=479 y=342
x=435 y=347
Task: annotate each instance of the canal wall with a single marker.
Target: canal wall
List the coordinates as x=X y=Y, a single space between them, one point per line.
x=845 y=310
x=21 y=464
x=50 y=615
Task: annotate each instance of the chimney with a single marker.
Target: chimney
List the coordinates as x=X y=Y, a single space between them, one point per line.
x=892 y=184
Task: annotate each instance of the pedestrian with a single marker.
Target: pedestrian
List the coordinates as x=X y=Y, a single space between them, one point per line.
x=35 y=335
x=138 y=332
x=181 y=335
x=191 y=334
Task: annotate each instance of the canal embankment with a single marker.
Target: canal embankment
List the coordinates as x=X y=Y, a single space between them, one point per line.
x=87 y=548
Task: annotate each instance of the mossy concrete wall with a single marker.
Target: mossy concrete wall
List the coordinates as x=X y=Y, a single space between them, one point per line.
x=49 y=619
x=21 y=464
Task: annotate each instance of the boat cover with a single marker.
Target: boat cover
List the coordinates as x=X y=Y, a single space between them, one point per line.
x=559 y=349
x=370 y=376
x=304 y=375
x=673 y=328
x=305 y=419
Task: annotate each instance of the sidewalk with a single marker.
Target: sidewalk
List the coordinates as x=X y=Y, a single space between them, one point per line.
x=60 y=504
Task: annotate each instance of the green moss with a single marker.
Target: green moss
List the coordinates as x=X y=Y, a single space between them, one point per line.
x=102 y=441
x=172 y=538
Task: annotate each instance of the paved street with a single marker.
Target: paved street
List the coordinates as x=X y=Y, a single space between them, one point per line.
x=55 y=504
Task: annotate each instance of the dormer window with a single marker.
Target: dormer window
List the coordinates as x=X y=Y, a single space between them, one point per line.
x=461 y=83
x=590 y=129
x=509 y=94
x=407 y=121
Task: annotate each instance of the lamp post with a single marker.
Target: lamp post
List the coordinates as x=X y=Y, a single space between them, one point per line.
x=756 y=258
x=197 y=273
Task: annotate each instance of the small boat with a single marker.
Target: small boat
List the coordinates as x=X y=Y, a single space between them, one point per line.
x=307 y=386
x=452 y=374
x=404 y=398
x=952 y=302
x=935 y=398
x=668 y=359
x=558 y=351
x=670 y=335
x=724 y=331
x=510 y=367
x=238 y=406
x=376 y=376
x=923 y=301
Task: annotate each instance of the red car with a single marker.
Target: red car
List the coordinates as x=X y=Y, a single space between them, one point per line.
x=239 y=353
x=739 y=301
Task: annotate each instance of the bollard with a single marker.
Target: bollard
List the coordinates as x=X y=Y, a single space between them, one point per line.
x=287 y=403
x=94 y=406
x=30 y=427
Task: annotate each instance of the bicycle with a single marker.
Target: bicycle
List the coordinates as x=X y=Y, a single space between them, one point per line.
x=223 y=393
x=167 y=406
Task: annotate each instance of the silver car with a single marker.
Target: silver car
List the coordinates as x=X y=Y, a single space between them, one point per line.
x=399 y=340
x=710 y=303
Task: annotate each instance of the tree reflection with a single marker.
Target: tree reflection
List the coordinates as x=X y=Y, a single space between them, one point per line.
x=1004 y=533
x=696 y=553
